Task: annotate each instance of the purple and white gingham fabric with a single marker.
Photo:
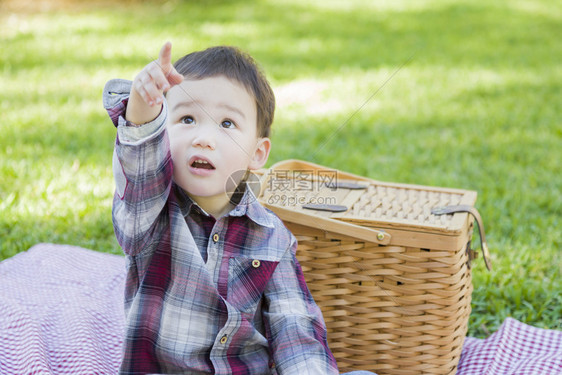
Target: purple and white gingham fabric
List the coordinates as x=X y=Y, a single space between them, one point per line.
x=61 y=312
x=516 y=348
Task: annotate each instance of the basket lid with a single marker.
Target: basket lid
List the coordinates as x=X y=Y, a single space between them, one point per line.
x=355 y=206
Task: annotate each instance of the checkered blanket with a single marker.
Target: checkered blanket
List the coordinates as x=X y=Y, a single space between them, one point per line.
x=61 y=312
x=516 y=348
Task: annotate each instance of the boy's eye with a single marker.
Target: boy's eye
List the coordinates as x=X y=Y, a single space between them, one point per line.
x=228 y=124
x=187 y=120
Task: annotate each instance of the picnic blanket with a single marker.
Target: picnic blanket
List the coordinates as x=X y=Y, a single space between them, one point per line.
x=61 y=312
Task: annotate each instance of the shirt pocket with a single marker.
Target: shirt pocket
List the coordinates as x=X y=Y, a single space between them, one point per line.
x=247 y=279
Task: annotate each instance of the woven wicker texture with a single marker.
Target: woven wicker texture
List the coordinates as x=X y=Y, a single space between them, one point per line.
x=388 y=309
x=407 y=206
x=398 y=308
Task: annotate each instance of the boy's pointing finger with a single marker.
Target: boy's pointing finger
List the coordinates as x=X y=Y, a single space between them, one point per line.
x=165 y=63
x=165 y=57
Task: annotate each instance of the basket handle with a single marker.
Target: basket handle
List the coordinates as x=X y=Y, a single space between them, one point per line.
x=325 y=223
x=474 y=212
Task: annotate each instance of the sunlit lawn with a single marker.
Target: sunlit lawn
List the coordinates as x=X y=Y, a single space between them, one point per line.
x=470 y=97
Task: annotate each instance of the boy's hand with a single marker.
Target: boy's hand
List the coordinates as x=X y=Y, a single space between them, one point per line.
x=149 y=87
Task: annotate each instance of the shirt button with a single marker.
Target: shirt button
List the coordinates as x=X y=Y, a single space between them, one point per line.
x=215 y=237
x=224 y=339
x=256 y=263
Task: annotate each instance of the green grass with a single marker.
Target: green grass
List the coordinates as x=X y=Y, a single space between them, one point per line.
x=475 y=105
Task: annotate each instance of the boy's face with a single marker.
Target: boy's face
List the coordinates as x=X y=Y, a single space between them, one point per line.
x=213 y=135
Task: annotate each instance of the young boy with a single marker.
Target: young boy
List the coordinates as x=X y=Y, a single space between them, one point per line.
x=213 y=285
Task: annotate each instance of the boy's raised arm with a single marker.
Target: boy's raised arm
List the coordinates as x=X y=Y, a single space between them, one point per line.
x=149 y=86
x=141 y=161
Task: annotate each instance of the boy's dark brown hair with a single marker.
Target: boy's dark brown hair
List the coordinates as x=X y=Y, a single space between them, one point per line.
x=235 y=65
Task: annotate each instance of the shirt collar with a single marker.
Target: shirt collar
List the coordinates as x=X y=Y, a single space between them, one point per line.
x=248 y=206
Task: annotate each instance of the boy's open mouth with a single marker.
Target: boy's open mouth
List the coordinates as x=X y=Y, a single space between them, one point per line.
x=202 y=164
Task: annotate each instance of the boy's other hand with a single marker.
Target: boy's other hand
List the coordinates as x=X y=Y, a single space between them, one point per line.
x=150 y=85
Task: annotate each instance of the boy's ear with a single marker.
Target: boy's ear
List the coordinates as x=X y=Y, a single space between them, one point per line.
x=261 y=154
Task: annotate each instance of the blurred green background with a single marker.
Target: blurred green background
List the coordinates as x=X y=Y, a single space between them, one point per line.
x=469 y=96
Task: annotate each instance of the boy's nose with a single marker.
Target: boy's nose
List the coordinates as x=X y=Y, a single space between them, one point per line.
x=205 y=137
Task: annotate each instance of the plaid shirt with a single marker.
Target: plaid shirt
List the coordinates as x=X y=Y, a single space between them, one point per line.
x=205 y=296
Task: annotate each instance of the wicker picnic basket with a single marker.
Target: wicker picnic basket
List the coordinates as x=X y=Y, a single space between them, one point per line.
x=389 y=271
